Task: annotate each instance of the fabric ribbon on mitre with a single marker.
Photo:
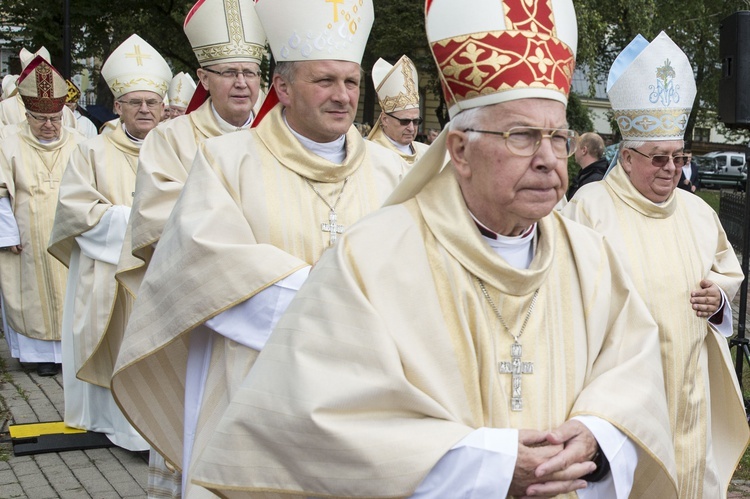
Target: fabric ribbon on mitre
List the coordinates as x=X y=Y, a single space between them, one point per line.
x=506 y=50
x=42 y=87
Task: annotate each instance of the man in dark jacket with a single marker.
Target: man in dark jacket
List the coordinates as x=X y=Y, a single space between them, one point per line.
x=590 y=157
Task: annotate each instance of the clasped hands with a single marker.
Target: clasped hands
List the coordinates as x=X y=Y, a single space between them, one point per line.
x=552 y=462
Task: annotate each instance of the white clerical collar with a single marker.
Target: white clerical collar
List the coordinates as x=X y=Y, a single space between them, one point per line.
x=133 y=139
x=227 y=127
x=518 y=251
x=335 y=151
x=406 y=149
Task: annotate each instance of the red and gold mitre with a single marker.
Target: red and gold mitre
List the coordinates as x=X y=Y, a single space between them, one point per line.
x=491 y=51
x=42 y=87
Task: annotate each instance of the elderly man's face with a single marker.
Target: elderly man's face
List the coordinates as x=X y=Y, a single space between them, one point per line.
x=654 y=182
x=507 y=192
x=392 y=127
x=140 y=111
x=45 y=126
x=233 y=96
x=321 y=100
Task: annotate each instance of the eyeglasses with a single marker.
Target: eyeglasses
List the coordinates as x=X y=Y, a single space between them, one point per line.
x=524 y=141
x=150 y=103
x=233 y=74
x=44 y=119
x=661 y=160
x=406 y=121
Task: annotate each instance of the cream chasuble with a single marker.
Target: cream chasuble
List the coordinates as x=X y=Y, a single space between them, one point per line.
x=95 y=195
x=377 y=135
x=33 y=282
x=389 y=355
x=101 y=175
x=246 y=219
x=686 y=243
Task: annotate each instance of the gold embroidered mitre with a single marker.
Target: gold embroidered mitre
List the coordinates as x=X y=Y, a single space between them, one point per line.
x=651 y=87
x=181 y=90
x=397 y=86
x=136 y=66
x=74 y=93
x=225 y=31
x=42 y=87
x=504 y=50
x=307 y=30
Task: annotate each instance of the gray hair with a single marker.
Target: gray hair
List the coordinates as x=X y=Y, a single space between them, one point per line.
x=630 y=144
x=287 y=70
x=470 y=118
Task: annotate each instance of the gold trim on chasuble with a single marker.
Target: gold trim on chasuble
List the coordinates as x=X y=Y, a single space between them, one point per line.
x=525 y=55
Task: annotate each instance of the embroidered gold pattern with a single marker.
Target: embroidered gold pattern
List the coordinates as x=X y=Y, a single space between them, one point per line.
x=136 y=54
x=402 y=100
x=236 y=46
x=652 y=122
x=119 y=85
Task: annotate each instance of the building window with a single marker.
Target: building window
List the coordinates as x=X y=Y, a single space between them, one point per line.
x=701 y=134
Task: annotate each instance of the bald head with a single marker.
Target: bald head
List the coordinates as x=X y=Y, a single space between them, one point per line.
x=590 y=149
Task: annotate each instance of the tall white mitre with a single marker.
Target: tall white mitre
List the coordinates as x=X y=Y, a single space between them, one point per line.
x=651 y=87
x=9 y=86
x=26 y=56
x=307 y=30
x=397 y=85
x=134 y=66
x=181 y=90
x=225 y=31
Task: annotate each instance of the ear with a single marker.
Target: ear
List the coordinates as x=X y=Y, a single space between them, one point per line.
x=626 y=160
x=283 y=89
x=203 y=77
x=457 y=142
x=118 y=107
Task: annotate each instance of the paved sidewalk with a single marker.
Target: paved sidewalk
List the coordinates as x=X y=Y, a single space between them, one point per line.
x=98 y=473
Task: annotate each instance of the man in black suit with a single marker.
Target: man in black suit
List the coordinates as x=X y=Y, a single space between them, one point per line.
x=689 y=178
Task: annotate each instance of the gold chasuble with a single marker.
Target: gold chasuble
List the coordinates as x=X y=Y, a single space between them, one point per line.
x=378 y=136
x=248 y=217
x=686 y=243
x=100 y=175
x=390 y=354
x=33 y=282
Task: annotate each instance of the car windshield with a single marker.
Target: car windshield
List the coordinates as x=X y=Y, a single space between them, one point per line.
x=705 y=164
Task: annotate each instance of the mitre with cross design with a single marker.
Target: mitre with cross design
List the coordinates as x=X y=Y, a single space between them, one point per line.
x=222 y=31
x=397 y=85
x=651 y=87
x=181 y=90
x=42 y=87
x=307 y=30
x=505 y=50
x=136 y=66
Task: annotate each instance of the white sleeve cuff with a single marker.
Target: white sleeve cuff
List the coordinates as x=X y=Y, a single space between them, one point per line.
x=250 y=323
x=622 y=455
x=104 y=241
x=726 y=328
x=480 y=465
x=9 y=235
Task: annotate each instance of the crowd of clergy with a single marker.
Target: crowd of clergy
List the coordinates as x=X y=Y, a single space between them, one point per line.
x=199 y=269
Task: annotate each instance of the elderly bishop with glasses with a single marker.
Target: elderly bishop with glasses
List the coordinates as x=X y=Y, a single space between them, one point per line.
x=466 y=340
x=677 y=253
x=32 y=162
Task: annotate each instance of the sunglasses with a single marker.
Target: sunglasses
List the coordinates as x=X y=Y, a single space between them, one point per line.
x=406 y=121
x=661 y=160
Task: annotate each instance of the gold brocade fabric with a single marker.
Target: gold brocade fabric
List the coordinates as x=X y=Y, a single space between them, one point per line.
x=258 y=222
x=667 y=250
x=387 y=357
x=101 y=174
x=33 y=282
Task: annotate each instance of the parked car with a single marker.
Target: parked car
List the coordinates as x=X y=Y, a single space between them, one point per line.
x=721 y=170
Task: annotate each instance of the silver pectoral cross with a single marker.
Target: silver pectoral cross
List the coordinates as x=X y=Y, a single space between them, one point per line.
x=51 y=182
x=515 y=368
x=332 y=227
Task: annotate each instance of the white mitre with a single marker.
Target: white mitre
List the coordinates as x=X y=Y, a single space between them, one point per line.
x=9 y=86
x=181 y=90
x=651 y=87
x=225 y=31
x=136 y=66
x=27 y=56
x=305 y=30
x=397 y=85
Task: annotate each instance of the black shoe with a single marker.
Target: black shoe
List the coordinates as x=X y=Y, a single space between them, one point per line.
x=47 y=368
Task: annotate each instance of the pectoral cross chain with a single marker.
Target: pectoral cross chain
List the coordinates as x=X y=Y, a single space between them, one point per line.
x=515 y=367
